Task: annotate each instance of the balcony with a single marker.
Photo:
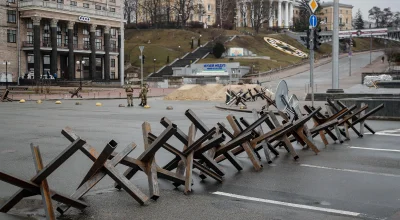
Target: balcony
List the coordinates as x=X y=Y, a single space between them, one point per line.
x=63 y=7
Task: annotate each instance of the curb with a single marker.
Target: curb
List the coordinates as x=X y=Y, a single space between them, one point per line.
x=85 y=99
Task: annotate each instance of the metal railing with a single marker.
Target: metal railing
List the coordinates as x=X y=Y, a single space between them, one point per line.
x=64 y=7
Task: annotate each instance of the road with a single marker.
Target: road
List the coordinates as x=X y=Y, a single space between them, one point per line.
x=355 y=180
x=299 y=81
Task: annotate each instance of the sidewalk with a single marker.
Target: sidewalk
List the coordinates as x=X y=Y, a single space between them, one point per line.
x=107 y=94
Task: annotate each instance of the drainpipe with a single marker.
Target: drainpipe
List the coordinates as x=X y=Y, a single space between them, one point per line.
x=18 y=44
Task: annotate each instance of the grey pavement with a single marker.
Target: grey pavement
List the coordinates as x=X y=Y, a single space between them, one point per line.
x=360 y=176
x=299 y=81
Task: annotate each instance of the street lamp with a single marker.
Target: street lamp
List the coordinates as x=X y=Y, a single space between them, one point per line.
x=154 y=65
x=180 y=53
x=198 y=43
x=181 y=19
x=80 y=63
x=192 y=43
x=6 y=62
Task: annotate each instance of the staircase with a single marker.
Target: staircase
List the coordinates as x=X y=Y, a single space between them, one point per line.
x=185 y=61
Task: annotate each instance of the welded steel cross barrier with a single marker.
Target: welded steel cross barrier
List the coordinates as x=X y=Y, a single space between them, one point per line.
x=38 y=185
x=102 y=167
x=4 y=96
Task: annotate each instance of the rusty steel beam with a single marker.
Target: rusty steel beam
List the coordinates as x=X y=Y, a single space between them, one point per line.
x=101 y=159
x=193 y=147
x=196 y=121
x=179 y=133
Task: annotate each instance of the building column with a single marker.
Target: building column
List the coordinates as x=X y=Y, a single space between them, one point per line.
x=271 y=18
x=71 y=56
x=36 y=46
x=107 y=50
x=291 y=12
x=286 y=14
x=119 y=55
x=239 y=15
x=92 y=60
x=279 y=13
x=244 y=19
x=53 y=37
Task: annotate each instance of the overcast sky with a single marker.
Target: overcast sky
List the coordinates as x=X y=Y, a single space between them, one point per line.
x=365 y=5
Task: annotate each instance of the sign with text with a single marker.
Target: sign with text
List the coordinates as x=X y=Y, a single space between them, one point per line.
x=235 y=52
x=84 y=18
x=214 y=67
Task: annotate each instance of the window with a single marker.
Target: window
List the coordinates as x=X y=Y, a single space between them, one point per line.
x=209 y=7
x=59 y=40
x=85 y=30
x=29 y=24
x=85 y=5
x=11 y=1
x=326 y=19
x=46 y=28
x=340 y=20
x=112 y=75
x=98 y=44
x=46 y=40
x=98 y=7
x=66 y=40
x=31 y=58
x=46 y=59
x=73 y=3
x=29 y=37
x=113 y=44
x=347 y=20
x=60 y=1
x=112 y=9
x=98 y=32
x=112 y=62
x=86 y=43
x=11 y=36
x=112 y=1
x=209 y=18
x=75 y=41
x=11 y=16
x=113 y=32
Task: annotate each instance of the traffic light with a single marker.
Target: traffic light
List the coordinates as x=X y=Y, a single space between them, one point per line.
x=143 y=57
x=308 y=39
x=317 y=39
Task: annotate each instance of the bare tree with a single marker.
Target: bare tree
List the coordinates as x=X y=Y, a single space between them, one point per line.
x=262 y=12
x=243 y=13
x=225 y=10
x=130 y=6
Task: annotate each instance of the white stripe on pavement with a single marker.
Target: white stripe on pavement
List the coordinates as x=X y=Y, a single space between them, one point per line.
x=375 y=149
x=348 y=170
x=335 y=211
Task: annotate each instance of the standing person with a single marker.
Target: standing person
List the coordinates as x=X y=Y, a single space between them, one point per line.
x=383 y=59
x=129 y=94
x=144 y=92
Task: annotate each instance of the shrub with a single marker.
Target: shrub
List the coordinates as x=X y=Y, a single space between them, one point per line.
x=218 y=50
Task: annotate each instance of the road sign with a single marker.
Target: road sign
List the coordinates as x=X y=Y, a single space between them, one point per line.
x=313 y=21
x=141 y=48
x=313 y=5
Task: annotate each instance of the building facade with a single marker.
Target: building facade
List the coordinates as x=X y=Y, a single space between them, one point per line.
x=8 y=38
x=345 y=16
x=282 y=13
x=51 y=36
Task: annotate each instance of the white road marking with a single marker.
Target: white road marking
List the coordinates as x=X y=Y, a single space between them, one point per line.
x=375 y=149
x=335 y=211
x=348 y=170
x=387 y=133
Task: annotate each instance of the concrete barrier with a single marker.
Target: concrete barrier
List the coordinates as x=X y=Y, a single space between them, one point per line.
x=389 y=112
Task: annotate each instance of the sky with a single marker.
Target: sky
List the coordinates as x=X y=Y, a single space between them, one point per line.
x=366 y=5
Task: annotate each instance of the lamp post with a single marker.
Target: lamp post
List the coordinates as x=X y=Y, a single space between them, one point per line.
x=180 y=52
x=141 y=48
x=198 y=43
x=6 y=62
x=80 y=63
x=191 y=46
x=154 y=65
x=180 y=15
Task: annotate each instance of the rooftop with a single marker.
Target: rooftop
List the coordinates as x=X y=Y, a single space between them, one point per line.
x=330 y=4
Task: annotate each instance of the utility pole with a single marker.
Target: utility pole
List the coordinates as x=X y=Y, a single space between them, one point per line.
x=370 y=50
x=350 y=52
x=335 y=46
x=312 y=65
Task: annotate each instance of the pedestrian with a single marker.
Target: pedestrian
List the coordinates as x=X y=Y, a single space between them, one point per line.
x=383 y=59
x=48 y=74
x=129 y=94
x=55 y=76
x=145 y=90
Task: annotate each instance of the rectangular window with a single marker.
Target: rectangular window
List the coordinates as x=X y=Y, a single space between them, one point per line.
x=46 y=59
x=29 y=24
x=11 y=1
x=66 y=40
x=112 y=9
x=98 y=44
x=209 y=18
x=59 y=40
x=46 y=40
x=46 y=28
x=112 y=75
x=98 y=32
x=86 y=43
x=85 y=30
x=98 y=7
x=113 y=44
x=73 y=3
x=112 y=62
x=113 y=32
x=11 y=16
x=31 y=58
x=11 y=36
x=85 y=5
x=112 y=1
x=29 y=37
x=75 y=41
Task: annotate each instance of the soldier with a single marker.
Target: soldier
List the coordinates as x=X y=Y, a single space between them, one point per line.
x=129 y=94
x=143 y=94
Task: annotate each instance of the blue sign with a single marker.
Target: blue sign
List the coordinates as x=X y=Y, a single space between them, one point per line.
x=214 y=67
x=313 y=21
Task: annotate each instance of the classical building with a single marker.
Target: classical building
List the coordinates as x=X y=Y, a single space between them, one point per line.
x=325 y=16
x=8 y=38
x=282 y=13
x=51 y=36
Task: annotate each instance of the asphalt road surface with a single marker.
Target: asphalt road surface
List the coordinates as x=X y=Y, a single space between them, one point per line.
x=323 y=75
x=355 y=180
